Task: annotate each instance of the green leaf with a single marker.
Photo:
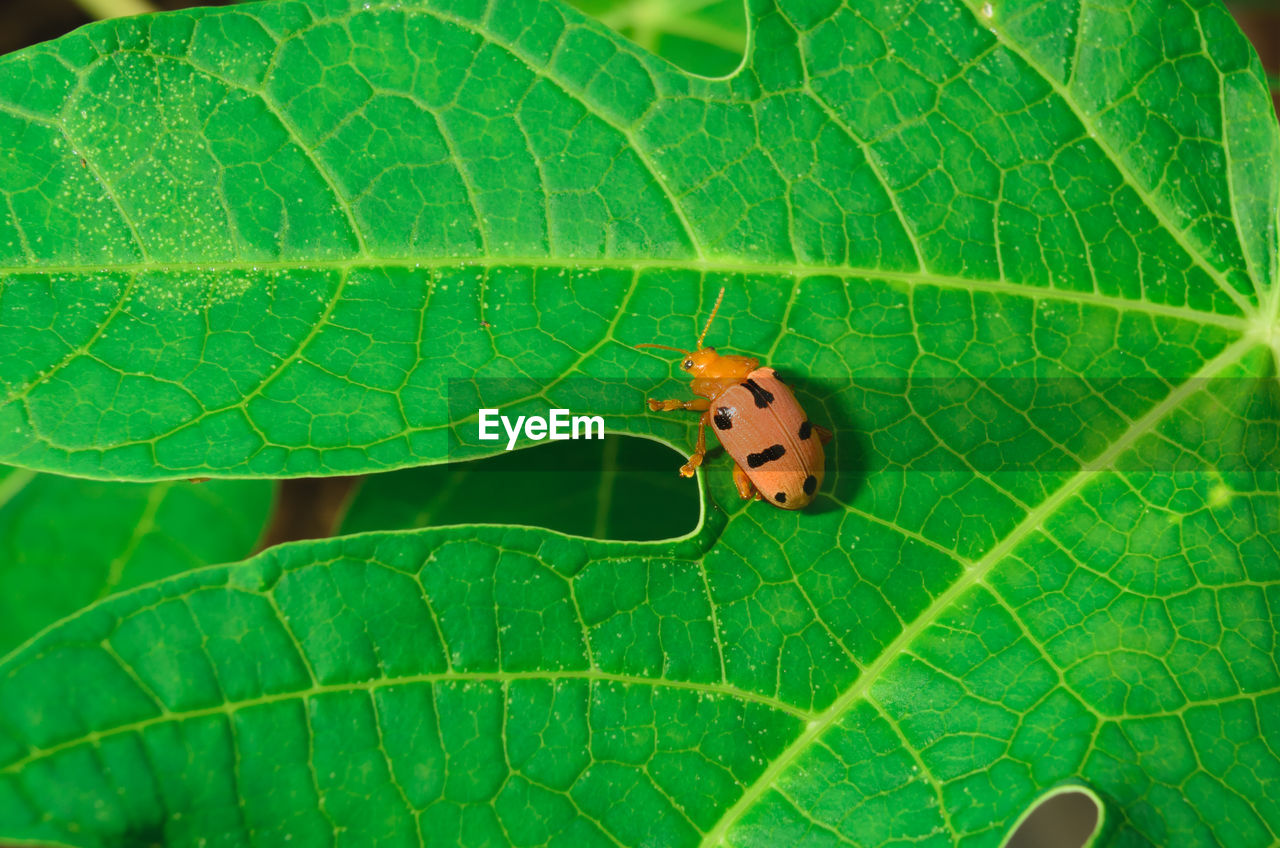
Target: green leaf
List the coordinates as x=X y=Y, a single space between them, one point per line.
x=66 y=542
x=1021 y=258
x=206 y=234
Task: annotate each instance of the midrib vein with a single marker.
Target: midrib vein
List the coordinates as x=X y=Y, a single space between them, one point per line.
x=590 y=675
x=972 y=576
x=1238 y=323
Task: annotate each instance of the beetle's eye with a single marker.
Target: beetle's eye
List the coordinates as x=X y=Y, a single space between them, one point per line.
x=687 y=364
x=713 y=350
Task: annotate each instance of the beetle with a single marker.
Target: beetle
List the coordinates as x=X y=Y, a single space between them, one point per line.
x=776 y=450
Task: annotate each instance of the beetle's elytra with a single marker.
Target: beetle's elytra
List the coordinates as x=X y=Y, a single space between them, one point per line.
x=777 y=451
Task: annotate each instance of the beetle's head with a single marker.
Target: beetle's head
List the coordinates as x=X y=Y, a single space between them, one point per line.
x=695 y=362
x=699 y=361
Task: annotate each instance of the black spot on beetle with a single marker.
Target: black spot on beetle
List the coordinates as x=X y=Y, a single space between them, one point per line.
x=806 y=429
x=723 y=418
x=781 y=497
x=810 y=483
x=778 y=376
x=763 y=396
x=769 y=454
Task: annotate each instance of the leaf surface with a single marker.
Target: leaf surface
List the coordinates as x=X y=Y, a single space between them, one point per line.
x=1020 y=257
x=65 y=542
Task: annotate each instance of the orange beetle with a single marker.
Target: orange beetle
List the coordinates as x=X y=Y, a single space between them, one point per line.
x=777 y=452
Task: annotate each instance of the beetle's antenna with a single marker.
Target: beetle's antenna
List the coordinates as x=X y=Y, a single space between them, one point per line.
x=714 y=309
x=664 y=347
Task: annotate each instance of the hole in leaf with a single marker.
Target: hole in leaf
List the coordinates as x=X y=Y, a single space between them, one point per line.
x=704 y=37
x=619 y=488
x=307 y=508
x=1062 y=818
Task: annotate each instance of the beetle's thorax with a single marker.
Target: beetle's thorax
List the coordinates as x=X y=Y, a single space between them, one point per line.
x=713 y=372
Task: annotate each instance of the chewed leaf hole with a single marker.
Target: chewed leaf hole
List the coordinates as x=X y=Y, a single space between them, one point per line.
x=705 y=37
x=620 y=487
x=1067 y=817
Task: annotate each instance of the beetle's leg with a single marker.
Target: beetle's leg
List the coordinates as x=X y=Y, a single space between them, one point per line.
x=700 y=451
x=746 y=488
x=824 y=435
x=697 y=404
